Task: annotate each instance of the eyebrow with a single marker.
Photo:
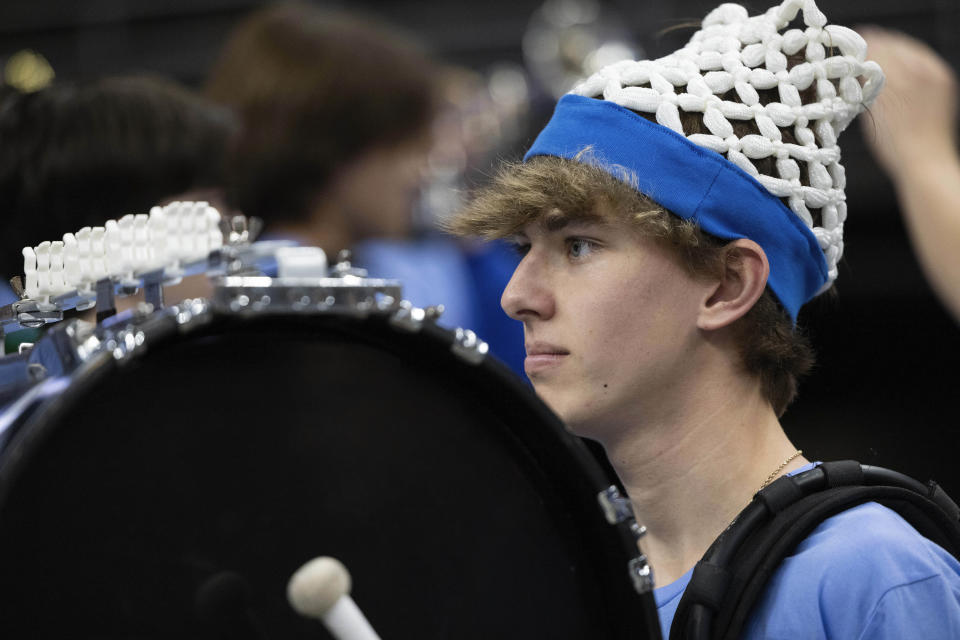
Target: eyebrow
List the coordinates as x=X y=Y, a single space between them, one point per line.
x=555 y=220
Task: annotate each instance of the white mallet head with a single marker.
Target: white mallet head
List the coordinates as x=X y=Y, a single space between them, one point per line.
x=317 y=586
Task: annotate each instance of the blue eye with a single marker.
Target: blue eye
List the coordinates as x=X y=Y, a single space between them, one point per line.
x=578 y=247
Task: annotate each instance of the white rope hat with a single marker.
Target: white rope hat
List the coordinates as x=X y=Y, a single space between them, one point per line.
x=718 y=75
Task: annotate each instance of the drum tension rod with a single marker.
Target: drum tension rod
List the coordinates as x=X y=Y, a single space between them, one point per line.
x=153 y=289
x=106 y=306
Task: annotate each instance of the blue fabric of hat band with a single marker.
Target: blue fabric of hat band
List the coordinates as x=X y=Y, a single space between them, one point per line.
x=693 y=183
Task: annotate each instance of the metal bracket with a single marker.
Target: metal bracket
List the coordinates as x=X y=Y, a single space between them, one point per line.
x=641 y=574
x=408 y=317
x=344 y=267
x=433 y=312
x=349 y=295
x=31 y=314
x=468 y=346
x=616 y=508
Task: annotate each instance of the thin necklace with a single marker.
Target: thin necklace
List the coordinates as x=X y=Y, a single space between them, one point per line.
x=796 y=454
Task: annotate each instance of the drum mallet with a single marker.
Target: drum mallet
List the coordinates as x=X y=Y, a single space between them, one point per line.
x=321 y=589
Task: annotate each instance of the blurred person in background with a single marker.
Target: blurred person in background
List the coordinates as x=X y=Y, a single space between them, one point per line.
x=77 y=154
x=335 y=116
x=339 y=115
x=913 y=137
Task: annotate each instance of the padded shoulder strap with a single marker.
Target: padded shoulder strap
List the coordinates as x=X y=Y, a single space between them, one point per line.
x=788 y=529
x=735 y=571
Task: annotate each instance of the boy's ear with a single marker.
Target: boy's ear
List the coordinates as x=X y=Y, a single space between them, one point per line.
x=743 y=281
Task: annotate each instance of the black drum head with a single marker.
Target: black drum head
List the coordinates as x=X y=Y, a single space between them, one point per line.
x=235 y=453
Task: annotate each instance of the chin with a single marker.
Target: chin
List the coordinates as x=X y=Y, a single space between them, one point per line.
x=570 y=412
x=578 y=417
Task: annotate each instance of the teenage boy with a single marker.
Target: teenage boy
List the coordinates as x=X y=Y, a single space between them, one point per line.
x=673 y=217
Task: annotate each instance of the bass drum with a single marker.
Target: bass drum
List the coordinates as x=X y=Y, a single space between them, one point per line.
x=197 y=458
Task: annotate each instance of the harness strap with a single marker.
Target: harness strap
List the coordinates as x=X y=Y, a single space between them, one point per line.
x=736 y=569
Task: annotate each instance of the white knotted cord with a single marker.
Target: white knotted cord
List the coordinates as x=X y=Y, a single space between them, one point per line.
x=736 y=52
x=169 y=235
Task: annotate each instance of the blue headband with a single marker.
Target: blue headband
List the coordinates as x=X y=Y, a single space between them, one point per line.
x=692 y=182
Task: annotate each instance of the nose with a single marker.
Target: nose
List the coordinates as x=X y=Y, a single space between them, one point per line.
x=528 y=295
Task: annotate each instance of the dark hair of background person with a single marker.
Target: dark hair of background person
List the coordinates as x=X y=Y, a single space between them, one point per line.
x=313 y=90
x=78 y=154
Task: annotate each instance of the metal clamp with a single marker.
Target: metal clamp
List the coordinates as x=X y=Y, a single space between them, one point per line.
x=30 y=314
x=433 y=312
x=344 y=266
x=411 y=318
x=641 y=574
x=616 y=508
x=349 y=295
x=468 y=346
x=408 y=317
x=126 y=342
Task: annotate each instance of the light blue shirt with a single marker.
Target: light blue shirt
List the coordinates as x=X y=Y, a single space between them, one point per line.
x=862 y=574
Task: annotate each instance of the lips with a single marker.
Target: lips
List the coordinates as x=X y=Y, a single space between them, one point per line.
x=542 y=356
x=545 y=349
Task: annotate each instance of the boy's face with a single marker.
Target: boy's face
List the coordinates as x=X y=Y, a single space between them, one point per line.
x=609 y=319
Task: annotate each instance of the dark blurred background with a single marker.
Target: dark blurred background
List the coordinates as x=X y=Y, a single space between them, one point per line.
x=883 y=389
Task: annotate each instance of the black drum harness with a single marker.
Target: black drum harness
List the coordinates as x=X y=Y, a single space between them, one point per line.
x=733 y=573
